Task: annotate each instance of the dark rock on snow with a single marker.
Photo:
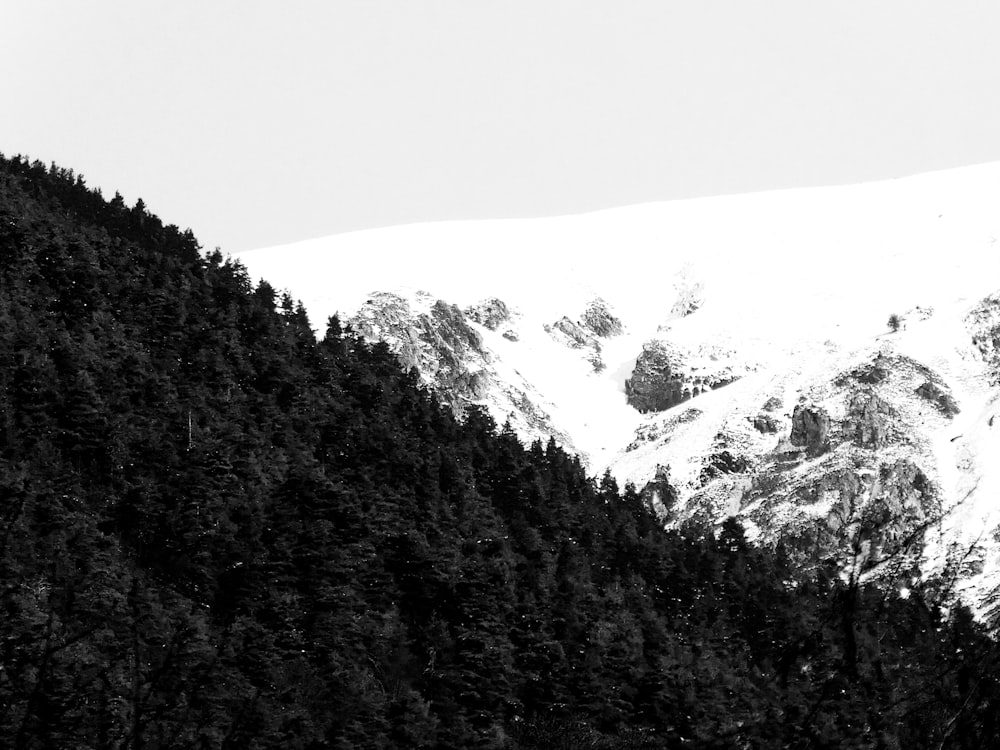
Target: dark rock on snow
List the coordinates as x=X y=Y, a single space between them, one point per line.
x=938 y=396
x=810 y=428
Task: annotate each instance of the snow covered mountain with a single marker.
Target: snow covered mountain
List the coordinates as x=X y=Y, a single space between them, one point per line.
x=729 y=355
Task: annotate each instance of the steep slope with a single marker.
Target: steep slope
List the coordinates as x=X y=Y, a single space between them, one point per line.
x=217 y=531
x=737 y=321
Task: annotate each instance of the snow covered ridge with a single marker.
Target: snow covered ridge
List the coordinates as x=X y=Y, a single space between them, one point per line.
x=738 y=346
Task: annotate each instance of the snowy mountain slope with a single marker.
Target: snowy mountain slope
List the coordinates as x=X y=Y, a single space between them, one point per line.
x=463 y=360
x=741 y=342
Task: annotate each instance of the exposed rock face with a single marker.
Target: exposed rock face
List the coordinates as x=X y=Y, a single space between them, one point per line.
x=661 y=493
x=440 y=343
x=830 y=503
x=939 y=397
x=765 y=424
x=490 y=313
x=772 y=404
x=655 y=384
x=575 y=336
x=722 y=462
x=862 y=517
x=902 y=502
x=810 y=428
x=855 y=490
x=452 y=327
x=870 y=373
x=664 y=377
x=869 y=420
x=599 y=319
x=596 y=322
x=842 y=488
x=493 y=313
x=846 y=476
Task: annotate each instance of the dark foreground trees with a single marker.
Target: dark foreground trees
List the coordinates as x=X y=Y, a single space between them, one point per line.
x=217 y=531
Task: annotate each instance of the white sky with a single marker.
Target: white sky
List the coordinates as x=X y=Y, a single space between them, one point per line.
x=265 y=123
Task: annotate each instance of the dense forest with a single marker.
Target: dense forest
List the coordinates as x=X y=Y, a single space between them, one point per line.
x=218 y=531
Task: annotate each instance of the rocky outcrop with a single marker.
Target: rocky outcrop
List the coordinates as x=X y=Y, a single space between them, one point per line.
x=453 y=328
x=722 y=462
x=810 y=428
x=438 y=342
x=662 y=377
x=869 y=373
x=863 y=518
x=599 y=319
x=765 y=424
x=842 y=489
x=661 y=494
x=772 y=404
x=656 y=384
x=491 y=313
x=595 y=322
x=576 y=336
x=869 y=421
x=942 y=400
x=903 y=502
x=827 y=507
x=448 y=349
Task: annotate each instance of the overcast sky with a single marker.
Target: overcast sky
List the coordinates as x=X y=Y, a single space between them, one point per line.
x=261 y=123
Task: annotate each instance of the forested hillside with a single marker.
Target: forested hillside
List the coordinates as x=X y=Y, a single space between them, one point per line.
x=217 y=531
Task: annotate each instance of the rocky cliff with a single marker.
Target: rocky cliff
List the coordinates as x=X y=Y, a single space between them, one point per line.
x=665 y=375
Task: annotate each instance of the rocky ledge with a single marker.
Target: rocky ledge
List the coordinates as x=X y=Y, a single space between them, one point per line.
x=663 y=378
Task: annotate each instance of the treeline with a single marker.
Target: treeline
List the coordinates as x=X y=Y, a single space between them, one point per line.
x=217 y=531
